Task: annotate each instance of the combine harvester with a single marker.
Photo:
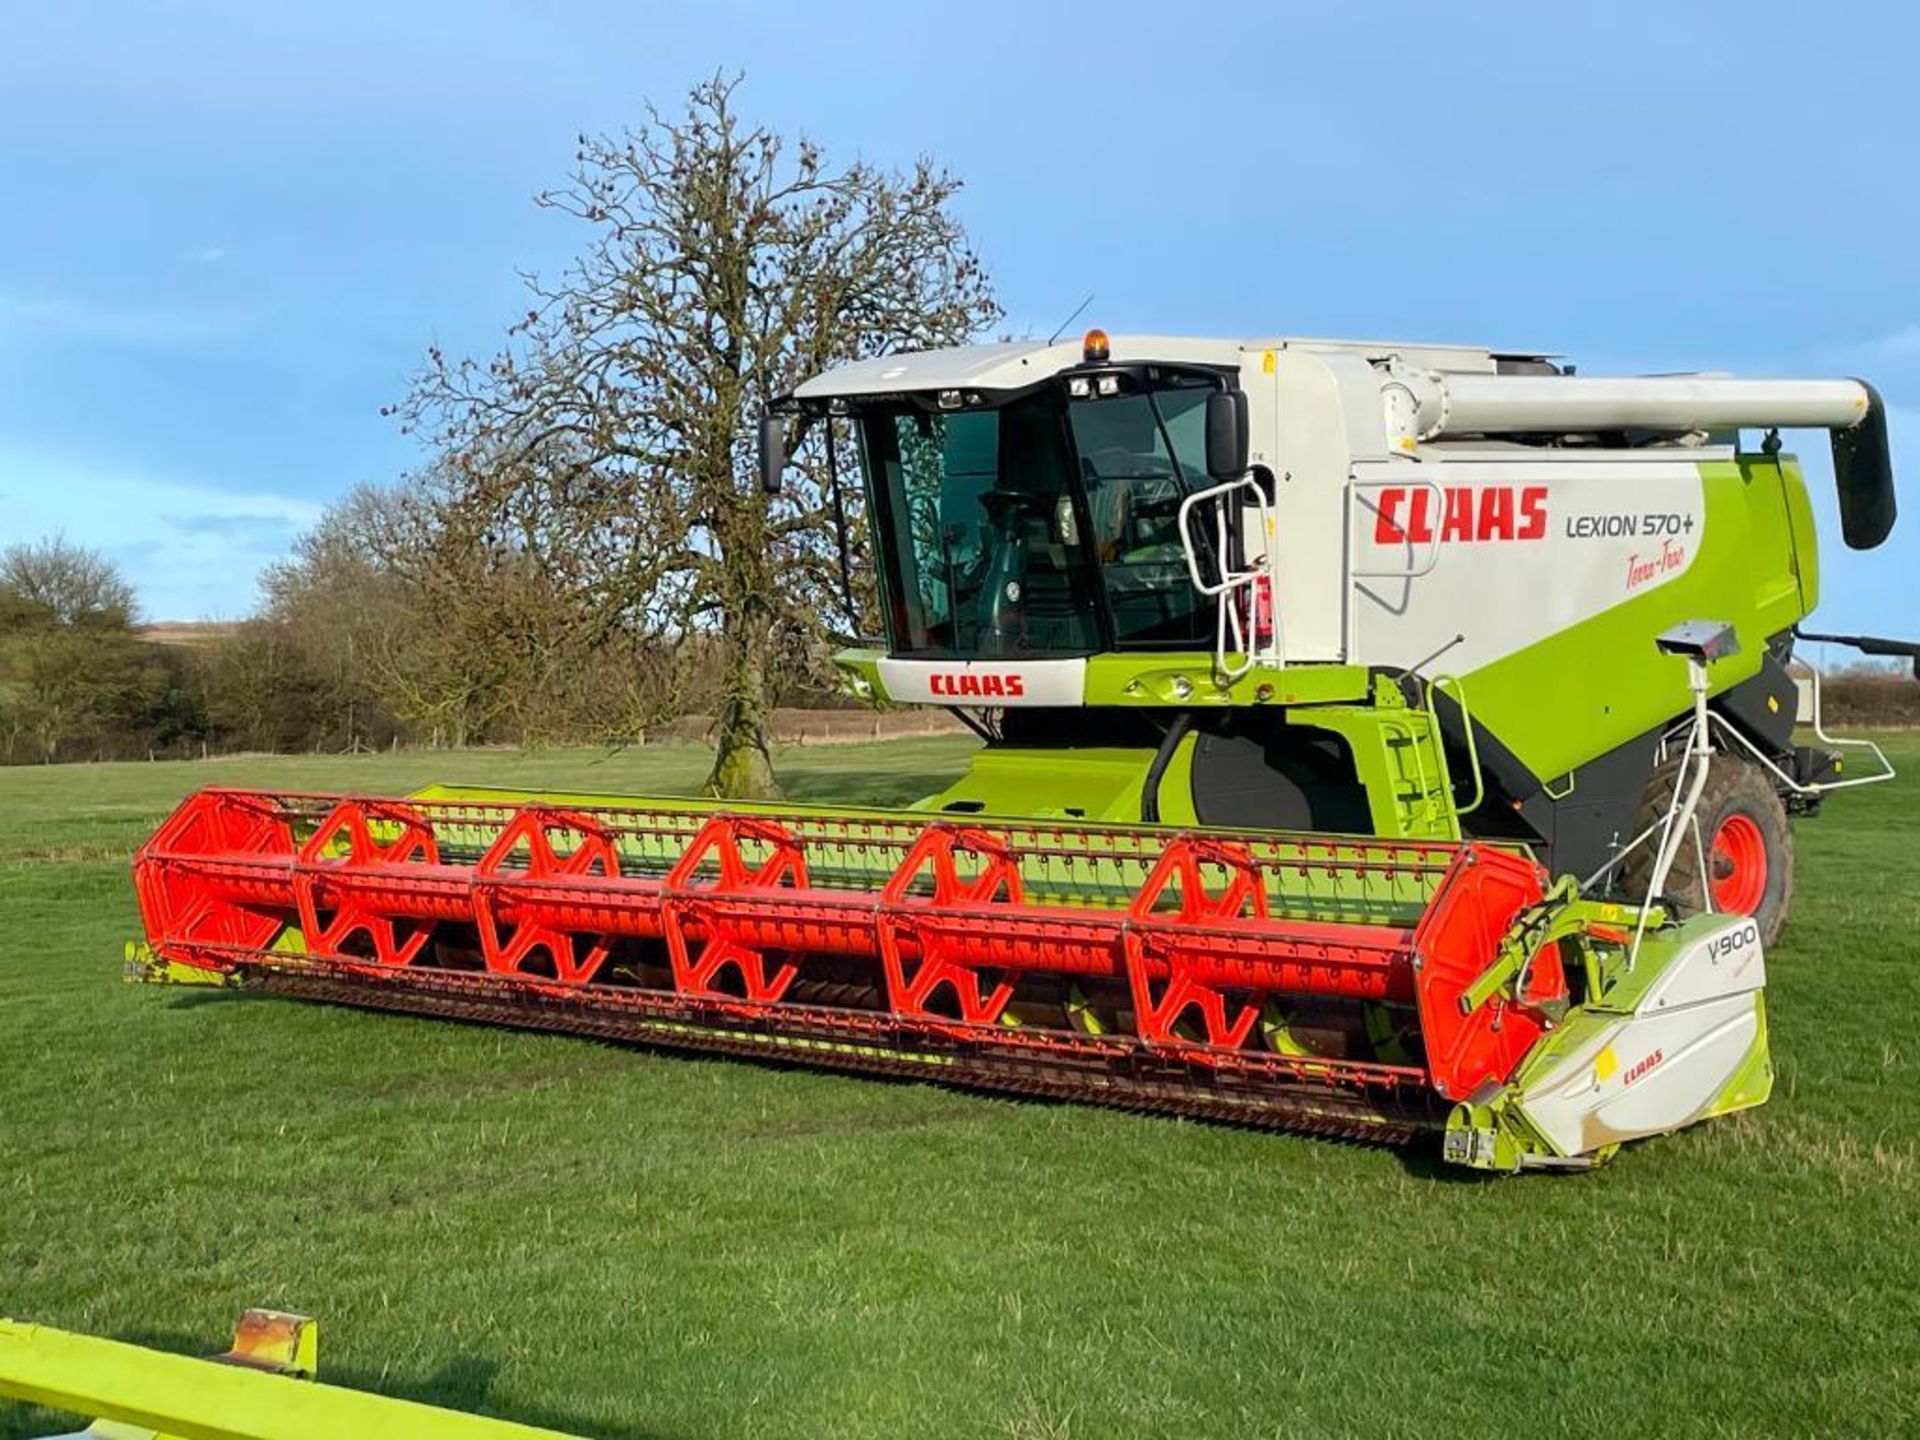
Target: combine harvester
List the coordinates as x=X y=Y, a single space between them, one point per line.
x=1378 y=739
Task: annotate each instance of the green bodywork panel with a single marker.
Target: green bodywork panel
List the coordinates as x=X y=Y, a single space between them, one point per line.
x=860 y=675
x=1092 y=783
x=1395 y=747
x=1396 y=750
x=1597 y=684
x=1398 y=754
x=1752 y=1083
x=1156 y=680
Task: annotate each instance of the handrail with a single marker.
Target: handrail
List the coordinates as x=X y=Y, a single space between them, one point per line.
x=1820 y=734
x=1229 y=580
x=1434 y=685
x=1230 y=630
x=1432 y=554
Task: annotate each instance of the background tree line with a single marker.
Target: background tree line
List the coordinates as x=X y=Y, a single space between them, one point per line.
x=386 y=627
x=75 y=679
x=374 y=632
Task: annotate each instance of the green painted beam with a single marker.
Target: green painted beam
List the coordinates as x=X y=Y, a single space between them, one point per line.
x=206 y=1400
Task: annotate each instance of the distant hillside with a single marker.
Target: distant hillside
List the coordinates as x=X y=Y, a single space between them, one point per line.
x=196 y=633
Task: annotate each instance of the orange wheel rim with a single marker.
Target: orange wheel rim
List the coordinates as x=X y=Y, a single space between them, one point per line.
x=1739 y=866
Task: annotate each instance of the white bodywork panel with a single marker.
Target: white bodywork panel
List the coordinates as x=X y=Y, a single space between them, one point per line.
x=1507 y=552
x=1455 y=359
x=1322 y=422
x=1010 y=365
x=984 y=682
x=1015 y=364
x=1662 y=1066
x=1538 y=541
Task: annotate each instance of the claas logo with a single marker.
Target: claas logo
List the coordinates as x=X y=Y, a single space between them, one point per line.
x=1471 y=513
x=999 y=687
x=1642 y=1067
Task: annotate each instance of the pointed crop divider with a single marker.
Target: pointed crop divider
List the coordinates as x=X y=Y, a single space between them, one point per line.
x=175 y=894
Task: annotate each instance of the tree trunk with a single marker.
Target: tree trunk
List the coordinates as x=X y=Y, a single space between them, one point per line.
x=743 y=760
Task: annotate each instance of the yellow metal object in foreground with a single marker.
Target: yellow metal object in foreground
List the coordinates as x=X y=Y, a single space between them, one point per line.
x=256 y=1391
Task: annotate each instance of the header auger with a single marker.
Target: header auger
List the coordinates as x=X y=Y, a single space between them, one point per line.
x=1381 y=740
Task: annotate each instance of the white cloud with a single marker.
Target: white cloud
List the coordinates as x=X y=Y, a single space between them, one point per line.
x=204 y=255
x=193 y=550
x=113 y=323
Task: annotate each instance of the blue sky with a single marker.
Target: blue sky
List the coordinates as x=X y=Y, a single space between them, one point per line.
x=228 y=231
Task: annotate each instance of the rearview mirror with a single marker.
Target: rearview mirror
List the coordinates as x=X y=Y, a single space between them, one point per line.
x=1227 y=434
x=773 y=453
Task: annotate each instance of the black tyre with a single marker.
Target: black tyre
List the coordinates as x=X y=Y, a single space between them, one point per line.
x=1742 y=827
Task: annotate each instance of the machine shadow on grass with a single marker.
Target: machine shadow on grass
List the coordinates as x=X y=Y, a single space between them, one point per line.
x=1419 y=1157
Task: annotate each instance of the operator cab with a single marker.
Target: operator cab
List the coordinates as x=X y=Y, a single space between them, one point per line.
x=1039 y=521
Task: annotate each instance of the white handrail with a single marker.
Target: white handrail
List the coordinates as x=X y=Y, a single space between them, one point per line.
x=1431 y=557
x=1229 y=580
x=1862 y=743
x=1230 y=637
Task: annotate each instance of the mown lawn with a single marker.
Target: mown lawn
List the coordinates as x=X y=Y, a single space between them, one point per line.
x=626 y=1244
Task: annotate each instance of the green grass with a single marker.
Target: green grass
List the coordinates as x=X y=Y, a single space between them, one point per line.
x=628 y=1244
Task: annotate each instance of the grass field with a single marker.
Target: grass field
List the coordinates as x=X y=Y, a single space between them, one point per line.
x=628 y=1245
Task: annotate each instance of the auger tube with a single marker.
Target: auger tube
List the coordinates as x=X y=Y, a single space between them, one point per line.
x=1450 y=405
x=1505 y=404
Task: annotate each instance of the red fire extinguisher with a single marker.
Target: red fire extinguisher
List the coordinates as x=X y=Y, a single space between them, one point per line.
x=1263 y=611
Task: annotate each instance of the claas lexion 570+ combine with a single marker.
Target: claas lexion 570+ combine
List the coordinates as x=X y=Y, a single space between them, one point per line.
x=1379 y=739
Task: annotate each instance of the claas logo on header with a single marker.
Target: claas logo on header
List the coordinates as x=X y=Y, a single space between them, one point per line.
x=1471 y=513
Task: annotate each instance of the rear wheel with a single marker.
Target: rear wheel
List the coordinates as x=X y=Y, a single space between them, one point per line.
x=1742 y=828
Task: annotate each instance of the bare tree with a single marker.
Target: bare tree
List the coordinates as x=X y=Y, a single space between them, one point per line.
x=396 y=615
x=609 y=443
x=66 y=583
x=383 y=621
x=74 y=678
